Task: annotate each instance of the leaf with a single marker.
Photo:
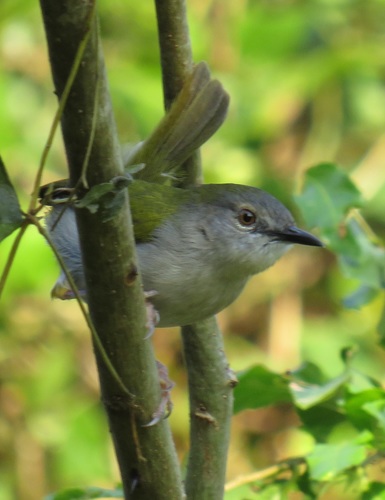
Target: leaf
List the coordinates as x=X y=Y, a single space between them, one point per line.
x=305 y=485
x=363 y=295
x=361 y=382
x=377 y=410
x=91 y=199
x=260 y=387
x=85 y=494
x=107 y=197
x=308 y=372
x=325 y=413
x=359 y=257
x=381 y=328
x=326 y=461
x=343 y=405
x=307 y=395
x=320 y=420
x=111 y=205
x=11 y=216
x=258 y=490
x=376 y=491
x=327 y=196
x=242 y=491
x=363 y=408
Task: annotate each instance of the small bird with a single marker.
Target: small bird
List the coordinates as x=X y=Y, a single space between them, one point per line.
x=196 y=247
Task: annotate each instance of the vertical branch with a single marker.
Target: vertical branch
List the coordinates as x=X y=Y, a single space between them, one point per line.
x=210 y=385
x=146 y=456
x=175 y=46
x=211 y=406
x=177 y=62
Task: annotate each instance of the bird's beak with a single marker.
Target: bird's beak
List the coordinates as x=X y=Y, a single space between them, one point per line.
x=293 y=234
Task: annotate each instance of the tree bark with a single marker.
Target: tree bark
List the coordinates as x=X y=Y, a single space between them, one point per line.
x=146 y=455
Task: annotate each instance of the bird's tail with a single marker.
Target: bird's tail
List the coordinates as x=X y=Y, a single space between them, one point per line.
x=195 y=115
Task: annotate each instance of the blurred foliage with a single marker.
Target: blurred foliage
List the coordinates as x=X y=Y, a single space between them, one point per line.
x=85 y=494
x=306 y=81
x=344 y=416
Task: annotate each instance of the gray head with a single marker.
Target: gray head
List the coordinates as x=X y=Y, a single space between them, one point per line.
x=248 y=227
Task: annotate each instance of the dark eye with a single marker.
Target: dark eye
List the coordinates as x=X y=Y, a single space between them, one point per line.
x=246 y=217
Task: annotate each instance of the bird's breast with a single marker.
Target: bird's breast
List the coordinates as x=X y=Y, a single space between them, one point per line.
x=188 y=289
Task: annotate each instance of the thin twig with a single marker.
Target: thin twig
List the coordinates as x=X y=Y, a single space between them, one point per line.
x=82 y=307
x=59 y=112
x=11 y=256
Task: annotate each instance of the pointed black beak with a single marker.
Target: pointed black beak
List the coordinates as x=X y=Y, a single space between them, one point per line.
x=293 y=234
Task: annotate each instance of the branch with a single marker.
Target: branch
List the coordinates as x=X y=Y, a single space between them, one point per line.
x=211 y=385
x=177 y=62
x=146 y=456
x=210 y=382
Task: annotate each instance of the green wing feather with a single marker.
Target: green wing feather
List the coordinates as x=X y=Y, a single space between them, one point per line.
x=151 y=204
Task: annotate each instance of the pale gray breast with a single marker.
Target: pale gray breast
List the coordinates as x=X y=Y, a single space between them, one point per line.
x=181 y=265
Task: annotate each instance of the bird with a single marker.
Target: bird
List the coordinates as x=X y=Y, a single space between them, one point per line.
x=196 y=247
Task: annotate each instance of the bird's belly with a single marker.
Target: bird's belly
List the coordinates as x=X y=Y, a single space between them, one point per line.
x=184 y=308
x=187 y=299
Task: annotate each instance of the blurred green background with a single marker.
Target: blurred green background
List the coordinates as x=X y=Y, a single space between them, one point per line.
x=306 y=80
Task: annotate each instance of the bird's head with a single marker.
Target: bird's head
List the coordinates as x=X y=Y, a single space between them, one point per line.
x=248 y=227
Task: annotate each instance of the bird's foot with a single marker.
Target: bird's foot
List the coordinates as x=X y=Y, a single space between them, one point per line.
x=152 y=314
x=165 y=406
x=63 y=291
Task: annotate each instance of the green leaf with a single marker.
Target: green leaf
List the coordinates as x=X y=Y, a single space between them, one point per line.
x=360 y=258
x=305 y=485
x=381 y=329
x=308 y=372
x=307 y=395
x=314 y=397
x=11 y=216
x=327 y=196
x=85 y=494
x=319 y=421
x=363 y=408
x=360 y=382
x=258 y=490
x=91 y=199
x=242 y=491
x=376 y=491
x=377 y=410
x=326 y=461
x=363 y=295
x=260 y=387
x=107 y=197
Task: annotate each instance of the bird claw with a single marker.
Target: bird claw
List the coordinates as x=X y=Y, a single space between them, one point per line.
x=165 y=406
x=152 y=314
x=63 y=291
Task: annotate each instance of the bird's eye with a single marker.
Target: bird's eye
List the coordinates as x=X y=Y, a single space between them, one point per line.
x=246 y=217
